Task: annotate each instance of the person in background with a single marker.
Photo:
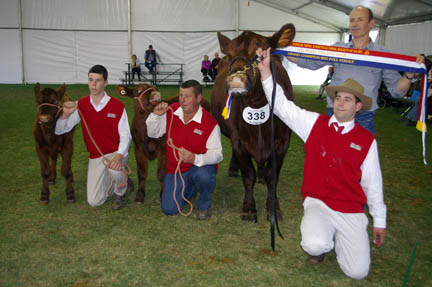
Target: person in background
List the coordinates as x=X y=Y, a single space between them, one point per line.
x=206 y=69
x=196 y=134
x=342 y=174
x=325 y=83
x=136 y=67
x=108 y=124
x=150 y=58
x=215 y=65
x=361 y=21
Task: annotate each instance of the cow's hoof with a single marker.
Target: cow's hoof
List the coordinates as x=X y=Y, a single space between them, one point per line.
x=44 y=201
x=233 y=173
x=51 y=182
x=137 y=202
x=251 y=217
x=72 y=200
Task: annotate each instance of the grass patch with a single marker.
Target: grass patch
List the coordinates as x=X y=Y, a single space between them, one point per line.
x=75 y=245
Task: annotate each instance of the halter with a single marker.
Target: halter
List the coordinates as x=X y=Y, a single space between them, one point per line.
x=139 y=98
x=51 y=105
x=251 y=64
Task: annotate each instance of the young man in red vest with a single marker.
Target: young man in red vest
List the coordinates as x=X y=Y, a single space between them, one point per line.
x=341 y=175
x=107 y=121
x=197 y=135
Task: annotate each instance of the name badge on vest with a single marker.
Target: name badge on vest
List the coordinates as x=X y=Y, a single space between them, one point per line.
x=256 y=116
x=355 y=146
x=197 y=131
x=109 y=115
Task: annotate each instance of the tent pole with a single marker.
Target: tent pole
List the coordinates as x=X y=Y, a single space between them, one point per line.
x=237 y=18
x=21 y=42
x=129 y=31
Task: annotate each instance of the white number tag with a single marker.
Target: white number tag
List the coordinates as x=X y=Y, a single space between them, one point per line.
x=256 y=116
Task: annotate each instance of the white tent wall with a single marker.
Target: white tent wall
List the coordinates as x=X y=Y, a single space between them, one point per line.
x=63 y=38
x=410 y=39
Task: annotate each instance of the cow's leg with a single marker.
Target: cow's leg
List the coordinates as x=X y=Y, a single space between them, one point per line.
x=248 y=172
x=142 y=168
x=280 y=155
x=53 y=166
x=66 y=171
x=261 y=174
x=44 y=157
x=233 y=170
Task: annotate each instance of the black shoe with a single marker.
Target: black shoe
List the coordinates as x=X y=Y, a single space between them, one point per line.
x=119 y=202
x=203 y=215
x=314 y=260
x=408 y=122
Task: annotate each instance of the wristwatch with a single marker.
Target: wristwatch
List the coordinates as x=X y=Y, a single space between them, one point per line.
x=409 y=78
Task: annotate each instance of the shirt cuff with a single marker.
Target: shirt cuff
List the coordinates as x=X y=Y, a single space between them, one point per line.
x=379 y=222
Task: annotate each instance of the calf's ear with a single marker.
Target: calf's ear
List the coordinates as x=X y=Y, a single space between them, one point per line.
x=36 y=89
x=61 y=91
x=223 y=43
x=124 y=91
x=283 y=37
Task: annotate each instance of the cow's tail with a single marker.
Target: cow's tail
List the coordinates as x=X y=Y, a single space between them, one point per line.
x=272 y=196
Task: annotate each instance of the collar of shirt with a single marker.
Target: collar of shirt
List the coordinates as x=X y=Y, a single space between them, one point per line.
x=348 y=126
x=197 y=117
x=101 y=104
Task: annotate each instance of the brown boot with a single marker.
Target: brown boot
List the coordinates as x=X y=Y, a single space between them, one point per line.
x=314 y=260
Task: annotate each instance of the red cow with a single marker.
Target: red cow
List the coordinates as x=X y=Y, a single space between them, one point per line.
x=247 y=125
x=49 y=145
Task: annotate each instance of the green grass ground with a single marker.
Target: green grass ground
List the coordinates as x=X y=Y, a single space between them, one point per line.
x=64 y=244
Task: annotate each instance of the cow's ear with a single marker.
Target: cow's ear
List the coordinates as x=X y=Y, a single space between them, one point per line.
x=223 y=43
x=124 y=91
x=61 y=91
x=283 y=37
x=37 y=92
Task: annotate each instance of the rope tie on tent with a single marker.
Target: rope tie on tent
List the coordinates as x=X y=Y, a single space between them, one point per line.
x=177 y=171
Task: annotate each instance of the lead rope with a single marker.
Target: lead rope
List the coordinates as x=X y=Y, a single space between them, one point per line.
x=177 y=171
x=106 y=161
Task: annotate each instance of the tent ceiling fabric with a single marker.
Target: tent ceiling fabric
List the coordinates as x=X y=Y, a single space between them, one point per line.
x=334 y=13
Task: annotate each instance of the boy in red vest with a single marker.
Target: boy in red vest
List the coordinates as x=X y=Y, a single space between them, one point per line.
x=197 y=135
x=107 y=121
x=341 y=175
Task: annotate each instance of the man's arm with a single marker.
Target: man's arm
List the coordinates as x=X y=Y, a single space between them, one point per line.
x=371 y=182
x=156 y=121
x=125 y=139
x=213 y=154
x=404 y=82
x=68 y=118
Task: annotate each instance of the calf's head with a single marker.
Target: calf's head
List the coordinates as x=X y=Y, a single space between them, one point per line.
x=145 y=96
x=49 y=103
x=241 y=72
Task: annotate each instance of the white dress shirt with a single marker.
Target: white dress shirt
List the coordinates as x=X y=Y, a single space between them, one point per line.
x=301 y=122
x=64 y=126
x=156 y=127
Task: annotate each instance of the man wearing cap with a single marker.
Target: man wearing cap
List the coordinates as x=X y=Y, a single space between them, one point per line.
x=341 y=175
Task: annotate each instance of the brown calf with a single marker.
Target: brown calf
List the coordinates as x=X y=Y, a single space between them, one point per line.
x=48 y=145
x=248 y=125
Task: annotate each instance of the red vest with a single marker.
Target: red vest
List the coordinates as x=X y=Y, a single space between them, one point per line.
x=332 y=166
x=103 y=125
x=193 y=136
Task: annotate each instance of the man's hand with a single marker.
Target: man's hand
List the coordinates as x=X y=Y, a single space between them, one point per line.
x=186 y=156
x=117 y=162
x=263 y=61
x=378 y=236
x=160 y=109
x=68 y=108
x=419 y=59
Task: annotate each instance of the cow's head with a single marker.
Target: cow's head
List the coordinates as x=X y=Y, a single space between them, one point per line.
x=145 y=96
x=49 y=103
x=242 y=74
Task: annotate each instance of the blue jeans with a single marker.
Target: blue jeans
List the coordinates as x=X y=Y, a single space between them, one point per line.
x=150 y=65
x=365 y=119
x=202 y=179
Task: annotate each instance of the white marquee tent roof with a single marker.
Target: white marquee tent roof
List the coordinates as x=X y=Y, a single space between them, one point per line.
x=55 y=41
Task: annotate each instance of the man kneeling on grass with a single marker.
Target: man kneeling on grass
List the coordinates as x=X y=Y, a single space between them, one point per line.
x=341 y=174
